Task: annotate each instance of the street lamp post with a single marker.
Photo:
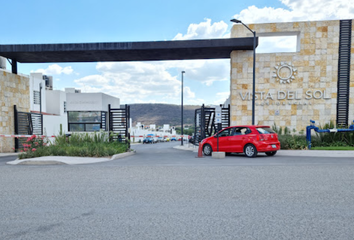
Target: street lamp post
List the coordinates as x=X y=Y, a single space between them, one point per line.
x=254 y=65
x=182 y=110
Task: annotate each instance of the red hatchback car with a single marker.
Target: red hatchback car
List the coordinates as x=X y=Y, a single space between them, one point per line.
x=243 y=139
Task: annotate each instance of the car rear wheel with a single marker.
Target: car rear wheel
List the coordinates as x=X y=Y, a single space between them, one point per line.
x=271 y=153
x=207 y=150
x=250 y=150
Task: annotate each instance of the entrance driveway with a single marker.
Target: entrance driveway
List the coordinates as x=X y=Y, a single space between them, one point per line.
x=165 y=193
x=170 y=154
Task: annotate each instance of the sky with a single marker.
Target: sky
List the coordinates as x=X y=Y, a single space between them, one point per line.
x=205 y=81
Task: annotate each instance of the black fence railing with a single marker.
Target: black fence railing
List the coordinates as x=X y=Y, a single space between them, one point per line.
x=205 y=125
x=119 y=123
x=26 y=124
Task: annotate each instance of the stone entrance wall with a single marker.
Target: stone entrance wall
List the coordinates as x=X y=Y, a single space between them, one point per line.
x=291 y=88
x=14 y=90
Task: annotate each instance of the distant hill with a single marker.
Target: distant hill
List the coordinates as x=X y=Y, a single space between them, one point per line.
x=160 y=114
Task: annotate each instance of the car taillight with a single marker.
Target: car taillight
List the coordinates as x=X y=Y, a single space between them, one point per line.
x=260 y=137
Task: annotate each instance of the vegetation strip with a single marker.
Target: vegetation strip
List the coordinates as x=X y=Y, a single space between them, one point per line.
x=98 y=144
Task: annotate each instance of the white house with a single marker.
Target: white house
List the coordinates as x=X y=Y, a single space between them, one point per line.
x=75 y=111
x=87 y=112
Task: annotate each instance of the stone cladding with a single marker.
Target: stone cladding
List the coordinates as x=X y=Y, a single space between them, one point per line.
x=14 y=90
x=310 y=94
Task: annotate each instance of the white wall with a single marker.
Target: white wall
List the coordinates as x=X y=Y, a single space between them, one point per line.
x=90 y=102
x=55 y=101
x=2 y=63
x=51 y=124
x=35 y=80
x=84 y=102
x=107 y=99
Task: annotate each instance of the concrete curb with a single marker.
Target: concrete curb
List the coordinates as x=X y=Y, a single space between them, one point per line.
x=41 y=163
x=57 y=160
x=187 y=148
x=122 y=155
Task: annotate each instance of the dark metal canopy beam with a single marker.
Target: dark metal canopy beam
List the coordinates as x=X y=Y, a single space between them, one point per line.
x=126 y=51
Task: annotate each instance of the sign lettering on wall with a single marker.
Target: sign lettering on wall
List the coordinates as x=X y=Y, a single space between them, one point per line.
x=285 y=73
x=286 y=95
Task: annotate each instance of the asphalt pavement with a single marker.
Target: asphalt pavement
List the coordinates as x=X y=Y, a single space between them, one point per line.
x=161 y=192
x=177 y=145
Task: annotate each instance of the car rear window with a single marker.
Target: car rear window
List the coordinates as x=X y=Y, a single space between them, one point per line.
x=264 y=130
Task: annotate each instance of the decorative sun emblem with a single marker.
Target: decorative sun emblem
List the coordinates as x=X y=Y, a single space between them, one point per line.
x=284 y=72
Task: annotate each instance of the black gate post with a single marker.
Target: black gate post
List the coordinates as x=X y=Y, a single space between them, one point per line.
x=127 y=116
x=16 y=127
x=109 y=122
x=229 y=117
x=195 y=125
x=202 y=123
x=41 y=124
x=30 y=127
x=129 y=124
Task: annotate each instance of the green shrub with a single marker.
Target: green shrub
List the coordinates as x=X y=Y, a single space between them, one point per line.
x=337 y=139
x=296 y=142
x=83 y=145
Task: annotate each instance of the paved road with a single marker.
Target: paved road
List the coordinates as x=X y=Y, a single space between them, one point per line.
x=164 y=193
x=5 y=159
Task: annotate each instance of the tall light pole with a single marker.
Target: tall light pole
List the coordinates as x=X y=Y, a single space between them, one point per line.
x=182 y=109
x=254 y=65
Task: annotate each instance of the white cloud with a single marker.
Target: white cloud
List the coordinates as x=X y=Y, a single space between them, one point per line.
x=93 y=80
x=187 y=92
x=277 y=44
x=299 y=10
x=221 y=97
x=146 y=81
x=204 y=30
x=55 y=69
x=134 y=82
x=204 y=71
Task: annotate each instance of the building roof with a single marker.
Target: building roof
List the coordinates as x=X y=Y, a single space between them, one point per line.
x=126 y=51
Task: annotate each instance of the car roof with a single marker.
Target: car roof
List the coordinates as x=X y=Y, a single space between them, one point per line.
x=250 y=126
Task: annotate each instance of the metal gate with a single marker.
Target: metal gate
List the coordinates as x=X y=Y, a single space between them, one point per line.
x=26 y=124
x=204 y=120
x=119 y=123
x=343 y=85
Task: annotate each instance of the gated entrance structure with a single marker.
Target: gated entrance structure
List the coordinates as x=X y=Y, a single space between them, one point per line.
x=204 y=122
x=124 y=51
x=26 y=124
